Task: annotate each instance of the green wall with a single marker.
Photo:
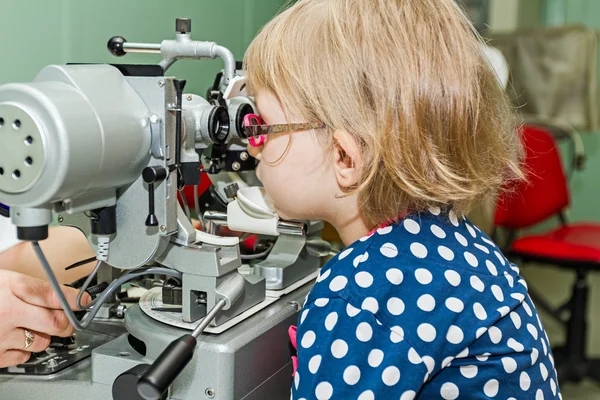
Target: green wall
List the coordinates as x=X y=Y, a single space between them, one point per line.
x=35 y=33
x=585 y=185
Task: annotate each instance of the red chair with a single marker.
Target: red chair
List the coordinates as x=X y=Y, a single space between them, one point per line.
x=573 y=246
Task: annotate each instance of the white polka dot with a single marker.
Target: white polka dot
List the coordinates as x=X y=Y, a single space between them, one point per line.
x=491 y=388
x=528 y=309
x=455 y=335
x=338 y=283
x=469 y=371
x=423 y=276
x=360 y=259
x=463 y=353
x=509 y=279
x=395 y=306
x=389 y=250
x=491 y=267
x=414 y=357
x=364 y=332
x=533 y=331
x=534 y=356
x=515 y=268
x=543 y=371
x=324 y=391
x=454 y=304
x=323 y=275
x=471 y=230
x=504 y=311
x=396 y=334
x=345 y=253
x=516 y=346
x=471 y=259
x=516 y=319
x=352 y=375
x=540 y=324
x=418 y=250
x=375 y=358
x=408 y=395
x=365 y=238
x=385 y=230
x=449 y=391
x=488 y=241
x=479 y=311
x=553 y=386
x=447 y=361
x=446 y=253
x=321 y=302
x=453 y=218
x=426 y=302
x=366 y=395
x=477 y=284
x=495 y=334
x=339 y=348
x=500 y=257
x=524 y=381
x=364 y=279
x=412 y=226
x=518 y=296
x=395 y=276
x=461 y=239
x=509 y=364
x=498 y=294
x=314 y=364
x=308 y=339
x=483 y=357
x=390 y=376
x=437 y=231
x=331 y=320
x=370 y=304
x=480 y=332
x=351 y=310
x=539 y=395
x=297 y=379
x=303 y=315
x=426 y=332
x=435 y=210
x=452 y=277
x=522 y=282
x=430 y=363
x=482 y=248
x=551 y=359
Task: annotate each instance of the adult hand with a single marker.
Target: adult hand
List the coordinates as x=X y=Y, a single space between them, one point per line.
x=30 y=304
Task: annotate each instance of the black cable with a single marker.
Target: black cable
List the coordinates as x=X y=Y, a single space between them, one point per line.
x=80 y=263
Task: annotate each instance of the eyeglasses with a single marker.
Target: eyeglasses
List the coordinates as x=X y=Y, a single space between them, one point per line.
x=256 y=130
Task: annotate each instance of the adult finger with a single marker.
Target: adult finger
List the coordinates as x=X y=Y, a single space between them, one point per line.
x=44 y=320
x=15 y=340
x=40 y=293
x=13 y=357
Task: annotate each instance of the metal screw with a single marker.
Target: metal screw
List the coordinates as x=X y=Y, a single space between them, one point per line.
x=210 y=393
x=236 y=166
x=189 y=98
x=154 y=119
x=296 y=305
x=61 y=219
x=244 y=156
x=161 y=83
x=163 y=228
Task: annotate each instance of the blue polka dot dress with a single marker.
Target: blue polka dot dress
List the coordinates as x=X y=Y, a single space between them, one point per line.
x=427 y=308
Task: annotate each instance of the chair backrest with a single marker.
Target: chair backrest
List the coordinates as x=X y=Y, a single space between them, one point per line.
x=545 y=193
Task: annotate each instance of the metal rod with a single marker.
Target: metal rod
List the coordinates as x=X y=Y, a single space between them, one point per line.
x=209 y=317
x=284 y=227
x=147 y=48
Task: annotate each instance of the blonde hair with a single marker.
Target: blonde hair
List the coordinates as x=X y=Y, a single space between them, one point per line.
x=409 y=81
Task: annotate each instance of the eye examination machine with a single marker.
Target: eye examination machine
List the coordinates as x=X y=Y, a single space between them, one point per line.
x=109 y=149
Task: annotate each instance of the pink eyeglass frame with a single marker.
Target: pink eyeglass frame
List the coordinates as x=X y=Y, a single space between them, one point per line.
x=256 y=130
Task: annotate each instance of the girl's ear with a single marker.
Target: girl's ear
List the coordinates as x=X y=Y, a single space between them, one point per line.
x=347 y=159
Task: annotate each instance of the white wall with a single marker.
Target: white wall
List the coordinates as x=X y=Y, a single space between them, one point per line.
x=504 y=15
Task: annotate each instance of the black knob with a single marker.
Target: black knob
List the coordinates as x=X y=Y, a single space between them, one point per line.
x=231 y=190
x=183 y=25
x=154 y=174
x=115 y=46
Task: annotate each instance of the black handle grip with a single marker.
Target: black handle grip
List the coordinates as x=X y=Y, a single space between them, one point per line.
x=161 y=374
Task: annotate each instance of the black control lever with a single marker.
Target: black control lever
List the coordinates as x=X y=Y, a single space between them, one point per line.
x=150 y=382
x=152 y=176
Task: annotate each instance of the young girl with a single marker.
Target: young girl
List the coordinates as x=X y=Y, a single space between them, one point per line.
x=384 y=118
